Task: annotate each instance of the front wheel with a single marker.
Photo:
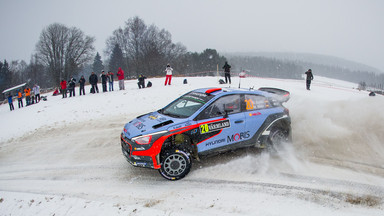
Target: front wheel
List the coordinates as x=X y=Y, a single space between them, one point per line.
x=175 y=164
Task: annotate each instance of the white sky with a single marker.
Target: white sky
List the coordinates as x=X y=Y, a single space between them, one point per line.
x=350 y=29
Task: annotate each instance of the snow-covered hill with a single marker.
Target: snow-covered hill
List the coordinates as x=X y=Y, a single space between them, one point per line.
x=63 y=157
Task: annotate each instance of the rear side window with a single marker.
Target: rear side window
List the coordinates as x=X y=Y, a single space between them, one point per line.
x=230 y=103
x=254 y=102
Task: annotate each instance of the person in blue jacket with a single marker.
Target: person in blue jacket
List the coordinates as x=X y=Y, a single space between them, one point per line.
x=10 y=101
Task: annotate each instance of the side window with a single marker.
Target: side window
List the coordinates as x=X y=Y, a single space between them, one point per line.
x=231 y=103
x=254 y=102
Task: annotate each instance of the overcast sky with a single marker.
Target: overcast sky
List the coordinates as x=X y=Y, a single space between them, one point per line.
x=350 y=29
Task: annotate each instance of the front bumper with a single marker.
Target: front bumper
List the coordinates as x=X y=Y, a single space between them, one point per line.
x=135 y=160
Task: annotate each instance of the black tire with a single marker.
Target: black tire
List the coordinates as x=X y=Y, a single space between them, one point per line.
x=175 y=164
x=278 y=136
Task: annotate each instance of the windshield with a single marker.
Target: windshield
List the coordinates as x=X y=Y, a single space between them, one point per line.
x=186 y=105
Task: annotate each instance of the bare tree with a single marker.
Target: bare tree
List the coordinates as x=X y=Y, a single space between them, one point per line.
x=146 y=50
x=64 y=50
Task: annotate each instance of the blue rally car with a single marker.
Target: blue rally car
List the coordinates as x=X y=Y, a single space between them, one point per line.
x=206 y=121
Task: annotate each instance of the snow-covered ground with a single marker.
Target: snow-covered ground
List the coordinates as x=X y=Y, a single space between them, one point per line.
x=63 y=157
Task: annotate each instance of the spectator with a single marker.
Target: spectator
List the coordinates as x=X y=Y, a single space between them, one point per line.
x=32 y=97
x=82 y=83
x=20 y=98
x=10 y=101
x=120 y=77
x=72 y=85
x=27 y=92
x=168 y=75
x=309 y=78
x=141 y=82
x=104 y=81
x=36 y=90
x=110 y=80
x=63 y=85
x=93 y=81
x=56 y=92
x=227 y=72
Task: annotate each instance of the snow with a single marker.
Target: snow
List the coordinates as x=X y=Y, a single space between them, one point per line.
x=63 y=157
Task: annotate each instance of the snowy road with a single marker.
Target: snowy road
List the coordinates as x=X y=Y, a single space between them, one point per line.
x=77 y=168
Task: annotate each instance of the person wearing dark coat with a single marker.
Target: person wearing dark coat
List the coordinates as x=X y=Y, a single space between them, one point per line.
x=104 y=81
x=82 y=83
x=141 y=82
x=93 y=81
x=71 y=87
x=309 y=78
x=110 y=80
x=227 y=72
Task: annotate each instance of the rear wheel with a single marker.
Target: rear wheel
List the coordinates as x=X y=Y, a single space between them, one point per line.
x=175 y=164
x=278 y=136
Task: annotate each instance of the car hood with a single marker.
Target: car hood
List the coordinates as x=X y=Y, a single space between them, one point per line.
x=151 y=123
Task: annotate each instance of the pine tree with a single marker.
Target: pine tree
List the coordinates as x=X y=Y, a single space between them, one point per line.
x=5 y=76
x=97 y=64
x=116 y=60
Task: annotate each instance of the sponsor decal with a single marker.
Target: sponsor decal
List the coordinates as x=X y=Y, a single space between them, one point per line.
x=181 y=125
x=194 y=131
x=238 y=136
x=139 y=125
x=254 y=114
x=176 y=127
x=127 y=132
x=215 y=142
x=157 y=117
x=203 y=95
x=153 y=117
x=214 y=126
x=142 y=164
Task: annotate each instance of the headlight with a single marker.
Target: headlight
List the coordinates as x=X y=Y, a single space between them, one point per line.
x=146 y=139
x=143 y=140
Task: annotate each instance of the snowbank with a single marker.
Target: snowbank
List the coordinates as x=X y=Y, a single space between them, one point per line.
x=63 y=157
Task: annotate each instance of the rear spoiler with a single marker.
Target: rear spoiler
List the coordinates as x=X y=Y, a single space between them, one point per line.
x=281 y=95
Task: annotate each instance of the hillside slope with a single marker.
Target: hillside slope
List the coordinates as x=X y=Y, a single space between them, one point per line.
x=63 y=157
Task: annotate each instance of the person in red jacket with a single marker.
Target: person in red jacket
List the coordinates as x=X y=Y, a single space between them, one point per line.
x=63 y=85
x=120 y=77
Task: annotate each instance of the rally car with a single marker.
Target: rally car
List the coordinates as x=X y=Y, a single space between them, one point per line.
x=203 y=122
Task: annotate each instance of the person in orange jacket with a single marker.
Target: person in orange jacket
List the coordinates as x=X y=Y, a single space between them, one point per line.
x=27 y=92
x=20 y=98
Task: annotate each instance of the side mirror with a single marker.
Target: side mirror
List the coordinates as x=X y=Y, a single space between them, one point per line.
x=226 y=112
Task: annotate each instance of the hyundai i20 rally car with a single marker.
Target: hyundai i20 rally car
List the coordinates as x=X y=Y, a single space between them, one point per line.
x=202 y=122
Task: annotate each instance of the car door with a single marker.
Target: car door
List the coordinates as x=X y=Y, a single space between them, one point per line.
x=257 y=109
x=220 y=124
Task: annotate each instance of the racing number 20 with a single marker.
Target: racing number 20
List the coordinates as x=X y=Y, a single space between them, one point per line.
x=249 y=104
x=204 y=128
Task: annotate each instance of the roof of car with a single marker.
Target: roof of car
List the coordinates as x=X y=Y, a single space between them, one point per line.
x=217 y=91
